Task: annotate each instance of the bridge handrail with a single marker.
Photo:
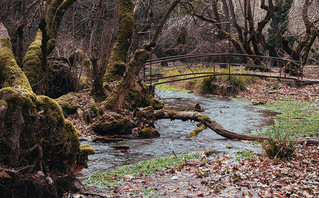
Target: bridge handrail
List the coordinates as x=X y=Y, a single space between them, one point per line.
x=178 y=57
x=194 y=65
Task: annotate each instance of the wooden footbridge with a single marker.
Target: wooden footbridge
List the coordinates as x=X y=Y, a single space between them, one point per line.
x=186 y=67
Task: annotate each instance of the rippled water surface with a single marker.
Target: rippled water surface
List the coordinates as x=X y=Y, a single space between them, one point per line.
x=234 y=116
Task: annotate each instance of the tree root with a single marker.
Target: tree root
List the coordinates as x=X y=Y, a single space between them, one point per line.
x=213 y=125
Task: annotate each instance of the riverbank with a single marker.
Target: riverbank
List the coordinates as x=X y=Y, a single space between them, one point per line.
x=221 y=176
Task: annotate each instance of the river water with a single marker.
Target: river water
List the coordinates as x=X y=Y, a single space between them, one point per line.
x=234 y=116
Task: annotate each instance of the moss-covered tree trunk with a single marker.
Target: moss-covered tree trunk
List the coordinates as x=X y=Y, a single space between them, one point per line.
x=38 y=147
x=117 y=62
x=116 y=99
x=35 y=61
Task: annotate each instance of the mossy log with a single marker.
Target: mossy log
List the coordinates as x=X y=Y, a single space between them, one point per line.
x=195 y=132
x=199 y=117
x=117 y=61
x=213 y=125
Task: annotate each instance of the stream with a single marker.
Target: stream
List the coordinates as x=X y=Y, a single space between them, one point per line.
x=234 y=116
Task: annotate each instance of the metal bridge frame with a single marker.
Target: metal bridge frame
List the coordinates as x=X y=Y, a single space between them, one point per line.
x=149 y=76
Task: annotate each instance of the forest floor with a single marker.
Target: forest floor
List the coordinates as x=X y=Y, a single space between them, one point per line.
x=219 y=175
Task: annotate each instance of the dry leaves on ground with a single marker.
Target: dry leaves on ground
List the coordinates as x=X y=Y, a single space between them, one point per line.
x=220 y=176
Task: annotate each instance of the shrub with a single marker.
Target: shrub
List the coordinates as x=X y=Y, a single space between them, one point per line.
x=279 y=149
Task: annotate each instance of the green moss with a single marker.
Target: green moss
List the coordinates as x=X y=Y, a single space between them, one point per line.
x=85 y=151
x=171 y=113
x=39 y=75
x=52 y=110
x=149 y=133
x=10 y=73
x=156 y=103
x=87 y=116
x=117 y=61
x=5 y=42
x=206 y=118
x=71 y=134
x=69 y=103
x=110 y=126
x=195 y=132
x=36 y=120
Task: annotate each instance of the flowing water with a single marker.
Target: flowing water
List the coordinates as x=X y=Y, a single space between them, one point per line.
x=234 y=116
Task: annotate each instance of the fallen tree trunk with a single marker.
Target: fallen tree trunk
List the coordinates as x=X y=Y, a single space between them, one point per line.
x=199 y=117
x=213 y=125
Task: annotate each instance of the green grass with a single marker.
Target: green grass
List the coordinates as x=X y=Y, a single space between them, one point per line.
x=242 y=100
x=147 y=192
x=116 y=176
x=297 y=119
x=168 y=87
x=245 y=154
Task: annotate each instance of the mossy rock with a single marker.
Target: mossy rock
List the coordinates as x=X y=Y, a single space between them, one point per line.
x=148 y=133
x=156 y=103
x=85 y=151
x=69 y=103
x=111 y=124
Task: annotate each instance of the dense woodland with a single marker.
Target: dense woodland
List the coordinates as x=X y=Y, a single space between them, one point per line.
x=53 y=51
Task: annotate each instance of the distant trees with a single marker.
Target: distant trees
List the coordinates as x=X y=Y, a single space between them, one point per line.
x=273 y=43
x=253 y=27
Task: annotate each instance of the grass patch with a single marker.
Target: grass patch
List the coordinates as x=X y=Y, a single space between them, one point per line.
x=242 y=100
x=147 y=192
x=245 y=154
x=297 y=119
x=168 y=87
x=115 y=176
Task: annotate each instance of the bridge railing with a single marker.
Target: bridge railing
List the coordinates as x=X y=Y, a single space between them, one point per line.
x=231 y=63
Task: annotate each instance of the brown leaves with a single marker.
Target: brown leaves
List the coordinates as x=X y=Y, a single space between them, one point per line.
x=220 y=175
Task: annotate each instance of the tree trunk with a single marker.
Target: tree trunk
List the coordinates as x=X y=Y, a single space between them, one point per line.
x=10 y=73
x=117 y=62
x=115 y=100
x=199 y=117
x=35 y=61
x=213 y=125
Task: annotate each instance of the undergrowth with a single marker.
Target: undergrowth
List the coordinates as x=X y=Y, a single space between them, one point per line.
x=219 y=85
x=297 y=119
x=115 y=176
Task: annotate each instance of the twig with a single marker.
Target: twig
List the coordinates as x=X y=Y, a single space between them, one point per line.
x=174 y=154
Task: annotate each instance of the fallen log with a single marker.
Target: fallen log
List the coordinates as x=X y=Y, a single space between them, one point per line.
x=213 y=125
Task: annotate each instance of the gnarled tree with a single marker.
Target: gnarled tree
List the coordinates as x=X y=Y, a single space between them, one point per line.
x=38 y=147
x=35 y=61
